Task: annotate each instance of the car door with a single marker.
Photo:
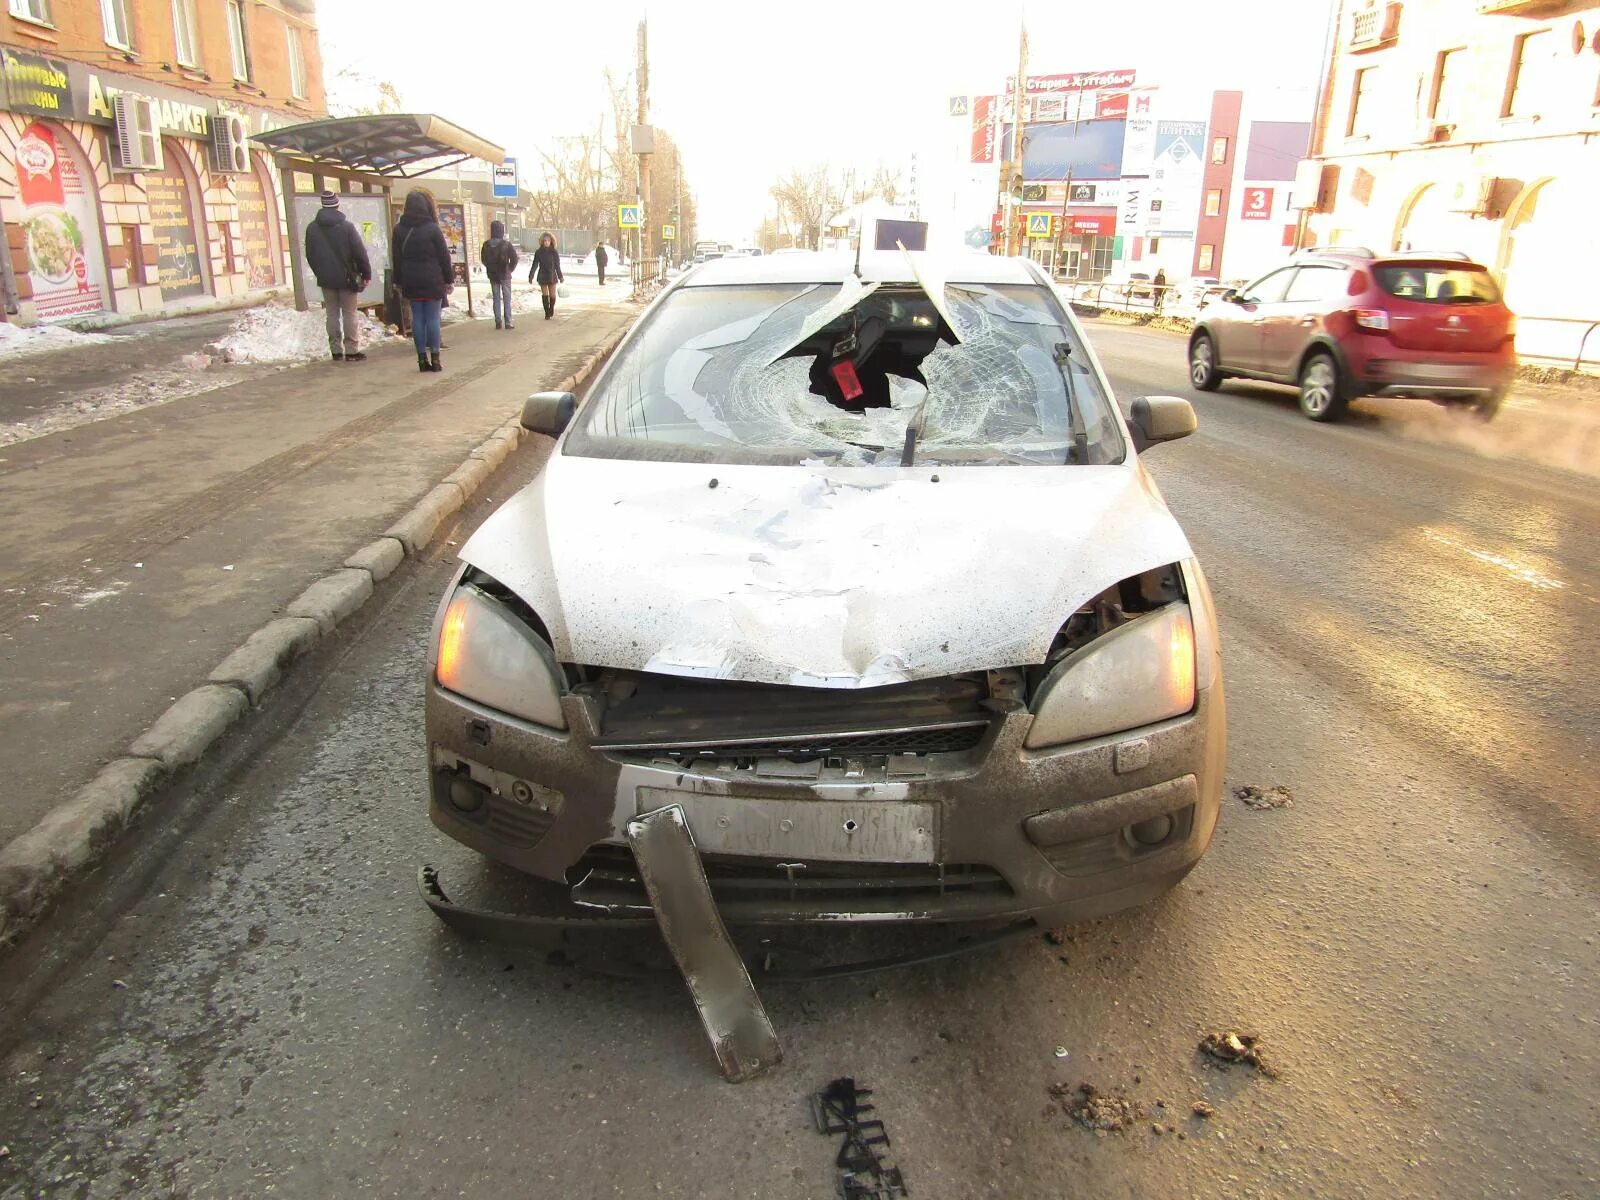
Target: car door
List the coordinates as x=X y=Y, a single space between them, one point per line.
x=1238 y=329
x=1288 y=324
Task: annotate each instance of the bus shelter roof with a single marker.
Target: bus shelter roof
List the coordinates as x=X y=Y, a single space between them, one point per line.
x=397 y=145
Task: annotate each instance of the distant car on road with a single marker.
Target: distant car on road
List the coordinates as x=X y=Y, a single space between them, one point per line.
x=1139 y=286
x=974 y=718
x=1343 y=322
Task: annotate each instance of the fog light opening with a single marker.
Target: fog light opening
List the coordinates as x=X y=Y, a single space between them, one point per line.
x=465 y=795
x=1152 y=832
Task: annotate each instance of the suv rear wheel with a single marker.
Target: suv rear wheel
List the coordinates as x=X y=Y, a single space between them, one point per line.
x=1322 y=395
x=1487 y=407
x=1203 y=371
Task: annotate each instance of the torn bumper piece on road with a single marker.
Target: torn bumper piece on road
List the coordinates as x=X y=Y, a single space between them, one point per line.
x=741 y=1033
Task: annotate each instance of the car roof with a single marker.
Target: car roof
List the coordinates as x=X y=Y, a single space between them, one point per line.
x=877 y=266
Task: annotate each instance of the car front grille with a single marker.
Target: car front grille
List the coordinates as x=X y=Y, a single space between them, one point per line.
x=608 y=876
x=657 y=716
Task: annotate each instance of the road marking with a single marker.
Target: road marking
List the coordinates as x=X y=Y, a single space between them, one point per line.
x=1516 y=570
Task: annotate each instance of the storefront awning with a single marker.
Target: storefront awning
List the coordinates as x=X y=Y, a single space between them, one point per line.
x=399 y=144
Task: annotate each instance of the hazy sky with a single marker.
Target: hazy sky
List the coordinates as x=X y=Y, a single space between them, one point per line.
x=751 y=89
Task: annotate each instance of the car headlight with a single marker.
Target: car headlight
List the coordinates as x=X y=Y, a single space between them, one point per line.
x=1139 y=673
x=486 y=654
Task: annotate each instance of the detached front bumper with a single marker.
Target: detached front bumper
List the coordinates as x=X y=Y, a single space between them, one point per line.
x=995 y=832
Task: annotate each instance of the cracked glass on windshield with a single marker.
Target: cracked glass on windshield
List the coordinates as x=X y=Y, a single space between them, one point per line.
x=851 y=374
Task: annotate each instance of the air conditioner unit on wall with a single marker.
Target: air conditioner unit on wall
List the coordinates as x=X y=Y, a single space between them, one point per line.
x=138 y=133
x=1487 y=196
x=1432 y=131
x=230 y=136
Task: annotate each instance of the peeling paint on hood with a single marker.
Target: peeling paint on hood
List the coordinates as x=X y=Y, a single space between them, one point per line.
x=826 y=577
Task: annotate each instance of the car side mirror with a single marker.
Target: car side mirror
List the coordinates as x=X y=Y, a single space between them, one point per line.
x=1155 y=419
x=1232 y=296
x=548 y=412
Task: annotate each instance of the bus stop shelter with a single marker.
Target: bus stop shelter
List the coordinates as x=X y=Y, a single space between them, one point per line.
x=362 y=158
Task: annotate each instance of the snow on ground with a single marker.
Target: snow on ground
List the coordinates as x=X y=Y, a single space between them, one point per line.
x=260 y=340
x=19 y=342
x=277 y=334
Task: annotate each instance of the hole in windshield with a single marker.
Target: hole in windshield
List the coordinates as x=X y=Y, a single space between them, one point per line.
x=853 y=374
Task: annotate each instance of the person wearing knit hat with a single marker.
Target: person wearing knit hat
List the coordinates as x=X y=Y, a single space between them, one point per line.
x=338 y=258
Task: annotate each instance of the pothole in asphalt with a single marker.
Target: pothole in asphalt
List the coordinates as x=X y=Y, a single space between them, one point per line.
x=1276 y=796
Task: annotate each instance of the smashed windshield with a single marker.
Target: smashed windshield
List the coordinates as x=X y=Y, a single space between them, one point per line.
x=857 y=374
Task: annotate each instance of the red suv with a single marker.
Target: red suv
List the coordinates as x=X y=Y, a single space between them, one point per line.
x=1340 y=323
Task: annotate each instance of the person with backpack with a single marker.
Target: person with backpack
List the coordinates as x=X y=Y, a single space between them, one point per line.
x=338 y=258
x=499 y=259
x=546 y=271
x=424 y=272
x=600 y=259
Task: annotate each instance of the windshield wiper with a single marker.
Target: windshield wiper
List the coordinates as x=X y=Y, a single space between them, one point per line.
x=908 y=454
x=1080 y=435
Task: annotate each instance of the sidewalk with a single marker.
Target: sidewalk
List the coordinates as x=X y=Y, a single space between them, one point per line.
x=140 y=549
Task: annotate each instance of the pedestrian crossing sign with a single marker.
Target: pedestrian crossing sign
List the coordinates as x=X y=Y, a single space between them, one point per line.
x=669 y=233
x=628 y=216
x=1039 y=225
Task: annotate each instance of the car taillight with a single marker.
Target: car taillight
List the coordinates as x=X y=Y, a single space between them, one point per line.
x=1371 y=318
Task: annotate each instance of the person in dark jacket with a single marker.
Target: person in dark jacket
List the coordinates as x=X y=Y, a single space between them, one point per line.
x=546 y=271
x=499 y=259
x=600 y=259
x=338 y=259
x=1159 y=286
x=423 y=270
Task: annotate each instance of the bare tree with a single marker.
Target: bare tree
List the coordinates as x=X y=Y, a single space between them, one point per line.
x=885 y=183
x=805 y=195
x=353 y=93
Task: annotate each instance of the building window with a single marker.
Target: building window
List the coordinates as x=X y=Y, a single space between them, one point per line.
x=1449 y=80
x=1208 y=255
x=297 y=64
x=114 y=15
x=31 y=10
x=1155 y=244
x=1360 y=90
x=134 y=249
x=238 y=42
x=1522 y=85
x=1219 y=151
x=183 y=33
x=1214 y=202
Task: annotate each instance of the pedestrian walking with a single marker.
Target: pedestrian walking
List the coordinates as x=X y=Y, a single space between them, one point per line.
x=1159 y=284
x=546 y=271
x=499 y=259
x=339 y=260
x=425 y=274
x=600 y=259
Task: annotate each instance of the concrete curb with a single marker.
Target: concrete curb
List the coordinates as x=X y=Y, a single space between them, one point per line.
x=35 y=867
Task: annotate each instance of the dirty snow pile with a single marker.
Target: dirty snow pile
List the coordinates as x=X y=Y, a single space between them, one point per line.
x=278 y=334
x=19 y=342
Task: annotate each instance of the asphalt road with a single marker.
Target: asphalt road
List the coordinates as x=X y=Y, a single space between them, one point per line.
x=257 y=1003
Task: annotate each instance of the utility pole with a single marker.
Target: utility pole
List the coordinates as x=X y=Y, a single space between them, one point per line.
x=647 y=211
x=676 y=249
x=1013 y=167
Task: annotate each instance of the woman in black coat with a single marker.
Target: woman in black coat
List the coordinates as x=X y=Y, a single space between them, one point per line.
x=546 y=268
x=423 y=269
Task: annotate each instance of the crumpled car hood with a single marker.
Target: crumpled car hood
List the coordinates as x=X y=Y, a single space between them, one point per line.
x=825 y=577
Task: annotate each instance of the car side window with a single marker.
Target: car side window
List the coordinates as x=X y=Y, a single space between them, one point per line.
x=1315 y=284
x=1269 y=288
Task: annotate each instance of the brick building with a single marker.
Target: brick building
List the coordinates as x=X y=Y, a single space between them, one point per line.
x=127 y=184
x=1469 y=125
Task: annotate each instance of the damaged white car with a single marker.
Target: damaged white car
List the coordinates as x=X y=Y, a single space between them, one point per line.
x=854 y=565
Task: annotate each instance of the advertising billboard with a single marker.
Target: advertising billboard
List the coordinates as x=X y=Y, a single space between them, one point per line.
x=370 y=215
x=1177 y=173
x=1088 y=150
x=983 y=129
x=60 y=228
